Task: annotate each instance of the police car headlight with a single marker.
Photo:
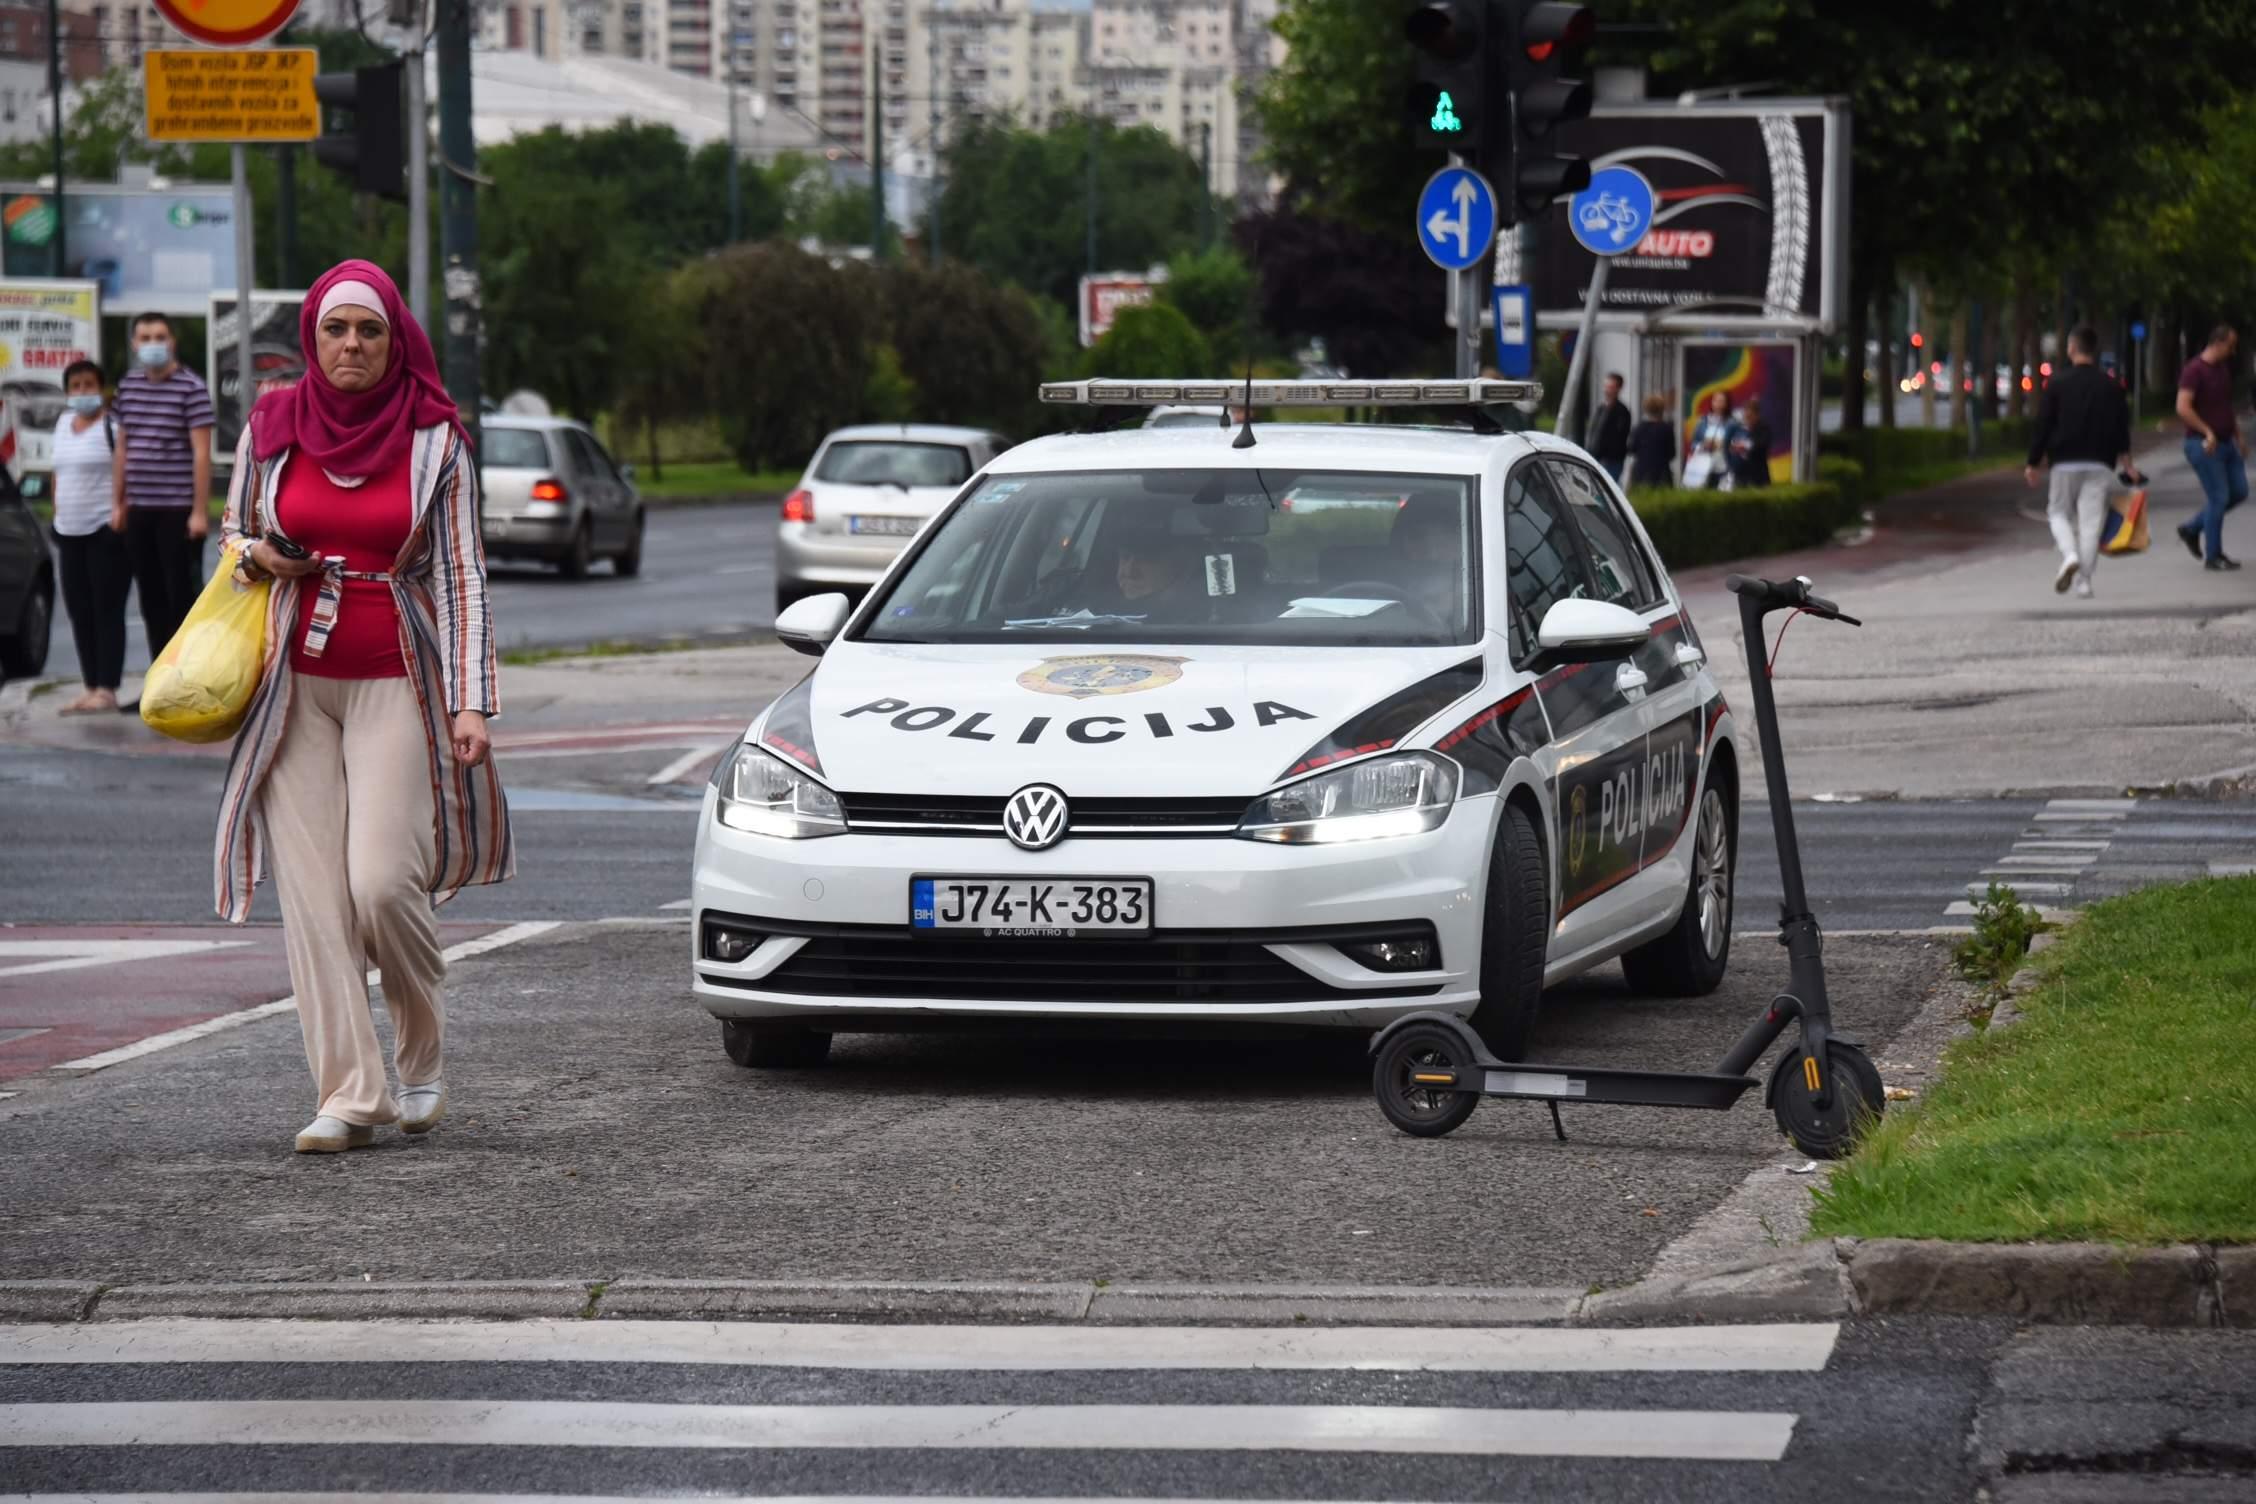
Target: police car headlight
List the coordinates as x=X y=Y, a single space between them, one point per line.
x=1384 y=796
x=767 y=796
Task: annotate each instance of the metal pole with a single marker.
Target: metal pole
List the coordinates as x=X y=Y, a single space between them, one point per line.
x=55 y=124
x=2138 y=377
x=877 y=147
x=246 y=278
x=1206 y=186
x=735 y=188
x=1089 y=196
x=418 y=179
x=939 y=143
x=1570 y=400
x=1985 y=382
x=286 y=216
x=458 y=209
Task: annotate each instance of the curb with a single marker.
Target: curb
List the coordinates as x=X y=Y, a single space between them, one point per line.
x=2098 y=1284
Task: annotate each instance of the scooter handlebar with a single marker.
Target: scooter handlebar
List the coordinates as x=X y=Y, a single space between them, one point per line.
x=1777 y=593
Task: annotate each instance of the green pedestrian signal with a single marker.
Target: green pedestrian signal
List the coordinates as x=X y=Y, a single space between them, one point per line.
x=1445 y=121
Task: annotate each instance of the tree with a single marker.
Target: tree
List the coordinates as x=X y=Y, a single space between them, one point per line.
x=1334 y=113
x=1021 y=195
x=787 y=343
x=1214 y=289
x=975 y=351
x=561 y=305
x=1371 y=297
x=1153 y=340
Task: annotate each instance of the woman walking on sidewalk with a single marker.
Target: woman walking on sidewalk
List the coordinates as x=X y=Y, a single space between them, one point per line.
x=362 y=770
x=89 y=540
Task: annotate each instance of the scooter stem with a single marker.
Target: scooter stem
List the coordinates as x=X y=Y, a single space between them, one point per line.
x=1751 y=613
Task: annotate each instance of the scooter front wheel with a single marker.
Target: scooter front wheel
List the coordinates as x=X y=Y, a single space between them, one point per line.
x=1415 y=1109
x=1854 y=1103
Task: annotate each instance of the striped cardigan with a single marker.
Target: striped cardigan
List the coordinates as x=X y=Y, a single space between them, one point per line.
x=446 y=636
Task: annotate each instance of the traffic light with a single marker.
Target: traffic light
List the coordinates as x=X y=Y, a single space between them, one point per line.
x=1543 y=50
x=374 y=152
x=1449 y=102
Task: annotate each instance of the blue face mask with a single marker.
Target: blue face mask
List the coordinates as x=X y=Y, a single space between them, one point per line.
x=153 y=354
x=86 y=404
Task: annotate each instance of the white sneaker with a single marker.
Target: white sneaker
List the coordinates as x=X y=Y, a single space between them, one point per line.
x=327 y=1135
x=421 y=1107
x=2083 y=587
x=2067 y=572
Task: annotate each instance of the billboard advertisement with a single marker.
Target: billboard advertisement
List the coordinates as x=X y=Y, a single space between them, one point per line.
x=1750 y=220
x=275 y=358
x=44 y=326
x=158 y=250
x=1104 y=294
x=1763 y=372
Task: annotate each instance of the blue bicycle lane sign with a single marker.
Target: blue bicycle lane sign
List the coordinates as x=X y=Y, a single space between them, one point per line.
x=1614 y=212
x=1456 y=218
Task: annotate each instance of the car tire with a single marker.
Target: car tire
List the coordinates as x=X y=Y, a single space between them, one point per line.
x=1515 y=936
x=23 y=652
x=764 y=1044
x=1690 y=960
x=629 y=562
x=573 y=564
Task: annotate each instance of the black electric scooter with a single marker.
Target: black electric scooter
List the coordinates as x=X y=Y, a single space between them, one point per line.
x=1430 y=1070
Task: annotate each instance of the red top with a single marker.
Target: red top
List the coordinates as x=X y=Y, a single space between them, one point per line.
x=368 y=524
x=2210 y=381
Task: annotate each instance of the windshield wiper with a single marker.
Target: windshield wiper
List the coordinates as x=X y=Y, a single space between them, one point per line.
x=1078 y=619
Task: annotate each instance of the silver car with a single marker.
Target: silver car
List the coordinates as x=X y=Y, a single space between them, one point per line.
x=865 y=494
x=552 y=492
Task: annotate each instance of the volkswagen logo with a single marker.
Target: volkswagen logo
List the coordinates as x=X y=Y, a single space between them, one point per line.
x=1034 y=817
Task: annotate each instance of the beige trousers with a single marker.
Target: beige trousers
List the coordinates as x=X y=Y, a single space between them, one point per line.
x=348 y=815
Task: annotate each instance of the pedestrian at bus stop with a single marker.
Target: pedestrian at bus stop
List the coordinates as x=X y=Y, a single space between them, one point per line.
x=161 y=478
x=2083 y=430
x=1606 y=436
x=2212 y=444
x=1652 y=445
x=90 y=554
x=362 y=772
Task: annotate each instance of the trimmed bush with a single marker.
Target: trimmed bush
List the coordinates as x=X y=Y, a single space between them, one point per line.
x=1840 y=470
x=1886 y=453
x=1711 y=527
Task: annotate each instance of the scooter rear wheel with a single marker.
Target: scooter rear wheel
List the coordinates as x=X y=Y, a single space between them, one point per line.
x=1854 y=1106
x=1415 y=1109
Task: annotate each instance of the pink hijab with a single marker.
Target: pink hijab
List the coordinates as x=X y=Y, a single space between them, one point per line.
x=354 y=435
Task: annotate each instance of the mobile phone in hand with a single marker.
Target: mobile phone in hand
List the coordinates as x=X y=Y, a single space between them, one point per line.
x=288 y=548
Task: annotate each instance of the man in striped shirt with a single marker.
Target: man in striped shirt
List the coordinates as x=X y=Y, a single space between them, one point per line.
x=160 y=480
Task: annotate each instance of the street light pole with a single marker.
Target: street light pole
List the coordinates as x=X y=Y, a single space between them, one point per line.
x=458 y=209
x=877 y=148
x=735 y=190
x=1206 y=185
x=418 y=178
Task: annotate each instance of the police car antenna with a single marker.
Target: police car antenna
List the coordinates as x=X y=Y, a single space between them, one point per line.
x=1244 y=440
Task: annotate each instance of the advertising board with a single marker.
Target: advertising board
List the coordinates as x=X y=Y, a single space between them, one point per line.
x=44 y=326
x=275 y=356
x=1104 y=294
x=159 y=250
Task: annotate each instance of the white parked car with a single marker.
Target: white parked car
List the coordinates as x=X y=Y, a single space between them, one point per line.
x=1125 y=737
x=865 y=494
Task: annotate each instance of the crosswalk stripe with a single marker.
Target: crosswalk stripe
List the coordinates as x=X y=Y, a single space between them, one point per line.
x=1803 y=1347
x=393 y=1497
x=1680 y=1435
x=2092 y=806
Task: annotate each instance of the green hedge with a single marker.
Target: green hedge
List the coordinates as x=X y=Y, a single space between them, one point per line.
x=1840 y=470
x=1711 y=527
x=1884 y=451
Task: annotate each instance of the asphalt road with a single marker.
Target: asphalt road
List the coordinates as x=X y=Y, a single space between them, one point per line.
x=707 y=572
x=1904 y=1410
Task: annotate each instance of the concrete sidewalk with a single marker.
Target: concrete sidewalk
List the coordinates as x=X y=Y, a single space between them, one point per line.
x=1972 y=677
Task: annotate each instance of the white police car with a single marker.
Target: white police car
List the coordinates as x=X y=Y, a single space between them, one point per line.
x=1157 y=725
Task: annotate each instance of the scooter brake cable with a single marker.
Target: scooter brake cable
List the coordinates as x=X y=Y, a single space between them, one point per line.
x=1770 y=667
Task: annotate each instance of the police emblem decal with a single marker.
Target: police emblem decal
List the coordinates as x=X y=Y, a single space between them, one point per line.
x=1087 y=675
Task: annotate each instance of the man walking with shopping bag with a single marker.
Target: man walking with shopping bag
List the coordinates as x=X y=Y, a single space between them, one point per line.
x=2083 y=430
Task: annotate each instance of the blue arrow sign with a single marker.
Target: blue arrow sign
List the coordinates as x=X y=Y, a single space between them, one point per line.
x=1456 y=218
x=2138 y=331
x=1614 y=212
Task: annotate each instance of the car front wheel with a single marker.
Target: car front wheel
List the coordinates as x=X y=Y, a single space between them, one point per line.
x=762 y=1044
x=25 y=652
x=1689 y=961
x=1515 y=936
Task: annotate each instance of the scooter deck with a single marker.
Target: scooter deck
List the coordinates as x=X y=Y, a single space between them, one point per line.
x=1587 y=1083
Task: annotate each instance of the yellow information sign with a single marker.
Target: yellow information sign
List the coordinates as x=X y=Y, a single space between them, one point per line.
x=262 y=94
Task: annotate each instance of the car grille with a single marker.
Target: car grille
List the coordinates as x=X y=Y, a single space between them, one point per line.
x=982 y=815
x=1179 y=966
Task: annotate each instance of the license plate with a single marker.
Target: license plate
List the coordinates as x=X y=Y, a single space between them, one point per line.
x=885 y=527
x=1048 y=908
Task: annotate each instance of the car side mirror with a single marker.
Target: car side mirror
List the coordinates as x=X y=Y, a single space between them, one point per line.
x=626 y=473
x=1576 y=631
x=807 y=626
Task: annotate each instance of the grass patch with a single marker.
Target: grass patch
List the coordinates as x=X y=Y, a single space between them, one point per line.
x=724 y=478
x=2120 y=1108
x=608 y=648
x=2003 y=928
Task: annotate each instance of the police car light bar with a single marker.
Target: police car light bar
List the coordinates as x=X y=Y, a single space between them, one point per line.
x=1473 y=393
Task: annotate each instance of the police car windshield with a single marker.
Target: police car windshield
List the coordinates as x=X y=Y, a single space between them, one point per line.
x=1277 y=557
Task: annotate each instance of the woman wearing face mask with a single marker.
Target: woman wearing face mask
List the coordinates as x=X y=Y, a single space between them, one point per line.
x=362 y=770
x=96 y=574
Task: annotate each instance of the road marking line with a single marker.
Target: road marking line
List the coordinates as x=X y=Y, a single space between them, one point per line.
x=2089 y=818
x=2057 y=861
x=1792 y=1347
x=606 y=749
x=688 y=760
x=2092 y=805
x=2232 y=869
x=2022 y=890
x=1965 y=910
x=1692 y=1435
x=512 y=741
x=393 y=1497
x=88 y=1064
x=72 y=955
x=680 y=903
x=2049 y=844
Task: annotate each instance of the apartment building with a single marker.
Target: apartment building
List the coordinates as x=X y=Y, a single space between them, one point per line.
x=124 y=29
x=25 y=114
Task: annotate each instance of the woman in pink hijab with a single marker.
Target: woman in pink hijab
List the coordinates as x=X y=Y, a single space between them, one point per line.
x=362 y=774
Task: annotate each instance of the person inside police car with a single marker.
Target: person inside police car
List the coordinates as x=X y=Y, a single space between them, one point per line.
x=1156 y=573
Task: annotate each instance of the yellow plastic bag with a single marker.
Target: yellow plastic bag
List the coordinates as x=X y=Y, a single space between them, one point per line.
x=200 y=687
